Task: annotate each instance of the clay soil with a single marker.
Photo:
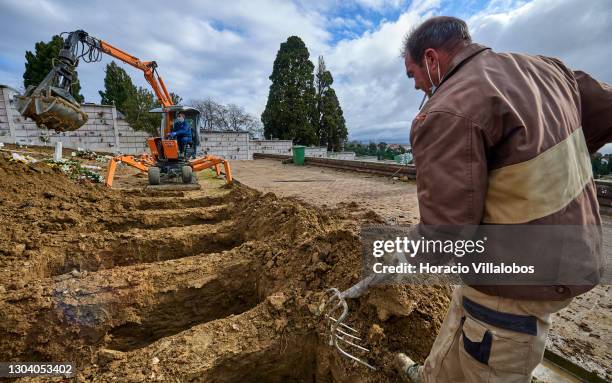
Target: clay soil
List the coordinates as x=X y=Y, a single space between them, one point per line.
x=215 y=285
x=580 y=332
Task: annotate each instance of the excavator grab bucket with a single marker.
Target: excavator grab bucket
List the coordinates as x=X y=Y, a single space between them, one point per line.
x=51 y=112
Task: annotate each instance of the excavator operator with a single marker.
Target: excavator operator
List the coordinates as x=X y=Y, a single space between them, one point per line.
x=181 y=131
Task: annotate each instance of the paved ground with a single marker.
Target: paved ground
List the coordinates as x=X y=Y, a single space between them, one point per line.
x=394 y=200
x=581 y=332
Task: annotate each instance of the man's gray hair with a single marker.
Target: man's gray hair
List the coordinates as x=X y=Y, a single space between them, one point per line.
x=442 y=32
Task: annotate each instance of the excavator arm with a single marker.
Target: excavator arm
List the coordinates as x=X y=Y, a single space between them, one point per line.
x=51 y=105
x=149 y=69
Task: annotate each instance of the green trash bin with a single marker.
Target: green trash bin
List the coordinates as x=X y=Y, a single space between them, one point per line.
x=299 y=152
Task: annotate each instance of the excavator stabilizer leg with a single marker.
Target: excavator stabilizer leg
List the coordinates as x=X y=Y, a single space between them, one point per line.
x=110 y=172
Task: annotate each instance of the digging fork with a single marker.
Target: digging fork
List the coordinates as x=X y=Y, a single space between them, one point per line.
x=335 y=310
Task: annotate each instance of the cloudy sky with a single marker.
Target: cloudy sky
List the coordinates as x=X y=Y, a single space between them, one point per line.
x=225 y=50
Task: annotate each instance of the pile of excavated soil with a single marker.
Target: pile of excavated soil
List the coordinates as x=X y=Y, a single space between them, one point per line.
x=311 y=249
x=44 y=214
x=191 y=286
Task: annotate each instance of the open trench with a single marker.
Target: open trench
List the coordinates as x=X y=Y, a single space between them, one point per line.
x=192 y=288
x=137 y=246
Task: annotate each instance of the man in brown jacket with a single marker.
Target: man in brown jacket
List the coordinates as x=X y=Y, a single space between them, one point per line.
x=503 y=139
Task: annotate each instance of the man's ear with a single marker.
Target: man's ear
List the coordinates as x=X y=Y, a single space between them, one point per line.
x=431 y=56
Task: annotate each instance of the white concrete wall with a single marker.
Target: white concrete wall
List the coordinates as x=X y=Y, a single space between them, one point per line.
x=130 y=140
x=105 y=130
x=341 y=155
x=367 y=158
x=7 y=128
x=284 y=147
x=229 y=145
x=271 y=146
x=316 y=151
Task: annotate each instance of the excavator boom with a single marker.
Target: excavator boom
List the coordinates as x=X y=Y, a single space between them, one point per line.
x=51 y=105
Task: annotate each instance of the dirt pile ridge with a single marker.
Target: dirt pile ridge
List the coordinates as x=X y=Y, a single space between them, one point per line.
x=45 y=216
x=190 y=286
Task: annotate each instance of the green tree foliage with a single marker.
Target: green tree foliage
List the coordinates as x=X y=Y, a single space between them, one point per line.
x=602 y=164
x=381 y=150
x=134 y=102
x=331 y=126
x=176 y=99
x=291 y=111
x=40 y=62
x=137 y=108
x=118 y=87
x=323 y=81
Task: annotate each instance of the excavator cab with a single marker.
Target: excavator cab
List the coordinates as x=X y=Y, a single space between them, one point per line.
x=167 y=149
x=171 y=162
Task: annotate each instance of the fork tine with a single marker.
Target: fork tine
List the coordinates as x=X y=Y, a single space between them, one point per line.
x=352 y=344
x=335 y=311
x=358 y=360
x=347 y=334
x=344 y=325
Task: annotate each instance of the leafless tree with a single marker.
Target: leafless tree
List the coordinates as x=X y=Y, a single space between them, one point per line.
x=219 y=117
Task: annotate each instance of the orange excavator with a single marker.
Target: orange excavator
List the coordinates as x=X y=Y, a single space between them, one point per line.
x=51 y=106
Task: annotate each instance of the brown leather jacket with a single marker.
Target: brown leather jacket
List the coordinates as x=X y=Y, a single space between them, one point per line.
x=505 y=139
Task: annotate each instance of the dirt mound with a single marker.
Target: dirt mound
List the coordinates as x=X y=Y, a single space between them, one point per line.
x=191 y=286
x=310 y=249
x=38 y=195
x=44 y=216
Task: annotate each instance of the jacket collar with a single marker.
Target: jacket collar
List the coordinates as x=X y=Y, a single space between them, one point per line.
x=460 y=58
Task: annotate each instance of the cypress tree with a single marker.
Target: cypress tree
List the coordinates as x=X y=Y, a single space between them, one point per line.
x=331 y=126
x=137 y=108
x=290 y=112
x=40 y=62
x=118 y=87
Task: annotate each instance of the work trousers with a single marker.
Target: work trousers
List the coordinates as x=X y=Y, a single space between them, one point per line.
x=183 y=141
x=489 y=339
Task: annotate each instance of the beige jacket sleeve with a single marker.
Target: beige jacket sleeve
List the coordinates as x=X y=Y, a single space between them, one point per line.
x=450 y=157
x=596 y=105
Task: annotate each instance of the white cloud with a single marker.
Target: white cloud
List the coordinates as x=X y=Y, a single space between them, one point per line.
x=380 y=4
x=378 y=99
x=198 y=45
x=27 y=9
x=225 y=50
x=576 y=32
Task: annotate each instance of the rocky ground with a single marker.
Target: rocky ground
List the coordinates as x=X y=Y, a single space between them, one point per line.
x=220 y=284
